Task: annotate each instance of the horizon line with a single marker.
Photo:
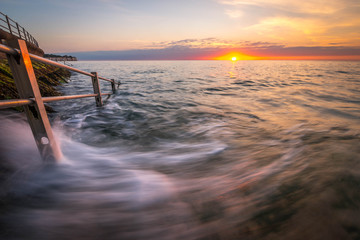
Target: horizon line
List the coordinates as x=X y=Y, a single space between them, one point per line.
x=227 y=60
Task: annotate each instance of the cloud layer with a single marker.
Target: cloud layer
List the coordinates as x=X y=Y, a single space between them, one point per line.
x=299 y=23
x=212 y=48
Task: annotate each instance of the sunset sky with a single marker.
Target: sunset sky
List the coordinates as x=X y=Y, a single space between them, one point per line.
x=192 y=29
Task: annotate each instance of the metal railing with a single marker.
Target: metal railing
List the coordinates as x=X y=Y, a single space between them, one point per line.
x=23 y=73
x=12 y=27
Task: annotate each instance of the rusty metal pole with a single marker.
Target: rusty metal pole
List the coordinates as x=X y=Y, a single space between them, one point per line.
x=28 y=35
x=8 y=23
x=96 y=85
x=18 y=28
x=25 y=80
x=113 y=86
x=24 y=34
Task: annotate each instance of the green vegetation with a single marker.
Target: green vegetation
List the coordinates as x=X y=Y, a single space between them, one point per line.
x=48 y=78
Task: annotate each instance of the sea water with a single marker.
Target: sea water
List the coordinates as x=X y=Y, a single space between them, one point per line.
x=192 y=150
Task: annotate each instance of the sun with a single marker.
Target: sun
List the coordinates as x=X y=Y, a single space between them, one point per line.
x=236 y=56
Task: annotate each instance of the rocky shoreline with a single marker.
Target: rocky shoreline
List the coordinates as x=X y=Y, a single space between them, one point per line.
x=48 y=78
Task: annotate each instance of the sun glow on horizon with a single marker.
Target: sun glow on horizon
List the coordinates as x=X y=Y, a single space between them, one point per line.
x=236 y=56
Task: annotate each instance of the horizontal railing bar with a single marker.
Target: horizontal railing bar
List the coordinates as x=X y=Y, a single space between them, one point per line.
x=8 y=50
x=14 y=103
x=56 y=64
x=45 y=60
x=60 y=98
x=12 y=51
x=13 y=27
x=22 y=102
x=4 y=27
x=109 y=80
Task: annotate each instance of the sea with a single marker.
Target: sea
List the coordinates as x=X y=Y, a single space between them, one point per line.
x=192 y=150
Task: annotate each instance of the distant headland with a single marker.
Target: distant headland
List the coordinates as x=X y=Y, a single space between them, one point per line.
x=55 y=57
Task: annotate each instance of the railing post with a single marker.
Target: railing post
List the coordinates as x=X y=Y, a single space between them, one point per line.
x=28 y=35
x=25 y=80
x=18 y=28
x=96 y=85
x=25 y=34
x=113 y=86
x=8 y=22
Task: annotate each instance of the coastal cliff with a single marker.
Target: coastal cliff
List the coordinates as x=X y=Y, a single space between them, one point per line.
x=32 y=48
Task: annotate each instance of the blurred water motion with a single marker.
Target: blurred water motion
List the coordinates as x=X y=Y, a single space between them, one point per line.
x=193 y=150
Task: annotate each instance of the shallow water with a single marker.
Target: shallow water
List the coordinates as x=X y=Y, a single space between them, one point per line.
x=194 y=150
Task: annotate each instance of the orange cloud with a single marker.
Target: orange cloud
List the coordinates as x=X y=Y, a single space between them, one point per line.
x=298 y=22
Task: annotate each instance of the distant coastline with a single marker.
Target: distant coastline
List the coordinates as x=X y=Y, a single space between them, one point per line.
x=187 y=53
x=56 y=57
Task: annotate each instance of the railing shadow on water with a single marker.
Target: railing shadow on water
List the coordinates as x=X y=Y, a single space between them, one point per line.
x=19 y=60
